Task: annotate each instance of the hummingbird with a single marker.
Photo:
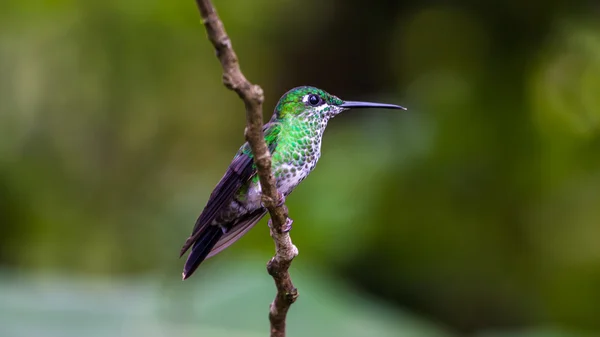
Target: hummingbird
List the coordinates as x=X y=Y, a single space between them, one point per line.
x=293 y=136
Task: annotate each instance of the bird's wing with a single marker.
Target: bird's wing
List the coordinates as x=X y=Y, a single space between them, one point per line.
x=239 y=172
x=238 y=229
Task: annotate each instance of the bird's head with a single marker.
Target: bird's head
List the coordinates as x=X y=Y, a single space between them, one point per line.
x=311 y=102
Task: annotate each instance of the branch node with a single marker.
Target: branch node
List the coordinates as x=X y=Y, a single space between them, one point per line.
x=258 y=94
x=294 y=252
x=292 y=296
x=228 y=80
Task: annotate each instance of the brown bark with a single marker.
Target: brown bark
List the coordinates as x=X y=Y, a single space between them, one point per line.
x=252 y=95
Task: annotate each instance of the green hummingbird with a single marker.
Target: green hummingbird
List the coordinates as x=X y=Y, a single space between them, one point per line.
x=293 y=136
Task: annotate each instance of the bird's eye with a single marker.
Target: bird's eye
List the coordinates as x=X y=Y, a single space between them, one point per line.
x=314 y=100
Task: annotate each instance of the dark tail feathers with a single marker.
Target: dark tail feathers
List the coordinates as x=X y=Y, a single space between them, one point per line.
x=201 y=248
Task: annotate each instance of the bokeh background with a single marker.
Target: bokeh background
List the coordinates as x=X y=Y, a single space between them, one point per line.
x=475 y=213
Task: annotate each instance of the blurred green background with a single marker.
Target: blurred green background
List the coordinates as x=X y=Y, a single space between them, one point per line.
x=475 y=213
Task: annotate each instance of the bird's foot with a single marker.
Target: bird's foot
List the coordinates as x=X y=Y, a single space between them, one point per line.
x=287 y=226
x=281 y=199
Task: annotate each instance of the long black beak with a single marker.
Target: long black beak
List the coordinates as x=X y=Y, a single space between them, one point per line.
x=355 y=105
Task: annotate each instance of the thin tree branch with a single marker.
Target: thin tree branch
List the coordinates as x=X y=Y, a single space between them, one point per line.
x=252 y=95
